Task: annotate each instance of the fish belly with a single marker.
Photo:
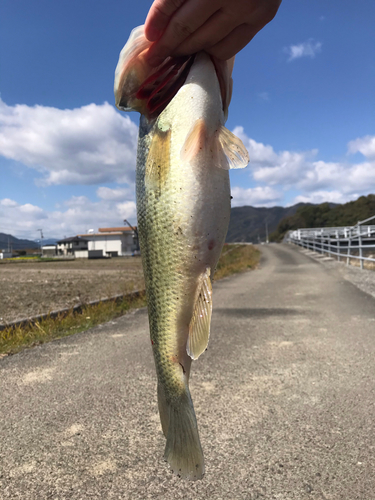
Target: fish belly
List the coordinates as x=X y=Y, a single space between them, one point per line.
x=183 y=215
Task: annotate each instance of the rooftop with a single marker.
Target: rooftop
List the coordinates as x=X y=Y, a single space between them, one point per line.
x=115 y=229
x=89 y=235
x=71 y=239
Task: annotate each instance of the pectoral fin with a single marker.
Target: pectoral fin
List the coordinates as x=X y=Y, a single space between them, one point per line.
x=222 y=149
x=233 y=148
x=199 y=328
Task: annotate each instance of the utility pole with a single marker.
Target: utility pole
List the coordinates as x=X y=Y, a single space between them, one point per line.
x=267 y=231
x=41 y=240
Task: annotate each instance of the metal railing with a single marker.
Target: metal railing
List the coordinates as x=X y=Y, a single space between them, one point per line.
x=353 y=242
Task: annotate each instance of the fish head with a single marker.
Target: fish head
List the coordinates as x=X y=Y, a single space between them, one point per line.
x=140 y=87
x=148 y=90
x=132 y=69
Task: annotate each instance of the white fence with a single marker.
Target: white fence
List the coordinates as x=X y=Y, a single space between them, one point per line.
x=355 y=242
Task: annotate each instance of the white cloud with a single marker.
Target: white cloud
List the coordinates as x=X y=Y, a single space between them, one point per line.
x=364 y=145
x=117 y=194
x=78 y=215
x=274 y=168
x=127 y=209
x=88 y=145
x=258 y=196
x=6 y=202
x=306 y=49
x=260 y=154
x=323 y=196
x=300 y=171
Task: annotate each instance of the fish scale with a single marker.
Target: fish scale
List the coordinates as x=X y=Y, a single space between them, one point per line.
x=183 y=210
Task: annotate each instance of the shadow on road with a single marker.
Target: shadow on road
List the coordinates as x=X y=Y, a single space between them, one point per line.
x=260 y=312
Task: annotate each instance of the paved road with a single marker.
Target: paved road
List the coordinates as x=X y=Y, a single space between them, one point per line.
x=285 y=399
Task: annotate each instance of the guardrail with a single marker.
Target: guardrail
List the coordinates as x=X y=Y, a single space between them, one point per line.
x=339 y=242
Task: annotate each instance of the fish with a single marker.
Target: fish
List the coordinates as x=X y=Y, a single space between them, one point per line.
x=183 y=208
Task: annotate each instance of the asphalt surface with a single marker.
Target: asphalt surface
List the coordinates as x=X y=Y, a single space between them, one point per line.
x=284 y=396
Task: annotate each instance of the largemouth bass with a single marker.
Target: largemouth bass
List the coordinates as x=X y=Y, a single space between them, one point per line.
x=183 y=210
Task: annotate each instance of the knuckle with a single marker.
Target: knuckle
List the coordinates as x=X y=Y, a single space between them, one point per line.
x=181 y=29
x=176 y=3
x=168 y=7
x=272 y=10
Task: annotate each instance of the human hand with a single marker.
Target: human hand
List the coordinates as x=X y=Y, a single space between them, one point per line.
x=220 y=27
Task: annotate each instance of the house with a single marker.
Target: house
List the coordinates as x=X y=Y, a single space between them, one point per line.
x=69 y=246
x=5 y=255
x=110 y=242
x=49 y=251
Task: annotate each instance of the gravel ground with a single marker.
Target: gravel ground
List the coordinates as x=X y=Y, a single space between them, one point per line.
x=362 y=278
x=284 y=399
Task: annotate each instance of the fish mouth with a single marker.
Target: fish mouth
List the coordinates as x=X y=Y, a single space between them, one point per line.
x=139 y=87
x=159 y=89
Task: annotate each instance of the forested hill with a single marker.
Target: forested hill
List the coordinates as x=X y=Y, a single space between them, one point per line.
x=327 y=215
x=249 y=223
x=9 y=241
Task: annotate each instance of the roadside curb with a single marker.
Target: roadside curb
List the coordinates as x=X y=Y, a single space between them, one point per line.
x=71 y=310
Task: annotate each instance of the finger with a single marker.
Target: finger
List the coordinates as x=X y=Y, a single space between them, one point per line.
x=263 y=13
x=224 y=21
x=158 y=17
x=183 y=23
x=243 y=34
x=217 y=27
x=234 y=42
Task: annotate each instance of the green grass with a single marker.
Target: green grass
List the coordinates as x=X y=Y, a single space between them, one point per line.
x=234 y=258
x=34 y=258
x=13 y=340
x=22 y=258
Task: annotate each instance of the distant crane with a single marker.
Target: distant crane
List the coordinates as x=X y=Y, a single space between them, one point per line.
x=135 y=239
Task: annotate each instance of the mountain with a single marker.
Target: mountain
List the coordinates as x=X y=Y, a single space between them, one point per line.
x=327 y=215
x=48 y=241
x=249 y=223
x=15 y=243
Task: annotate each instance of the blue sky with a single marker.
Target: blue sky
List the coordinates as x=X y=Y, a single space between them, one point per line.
x=303 y=104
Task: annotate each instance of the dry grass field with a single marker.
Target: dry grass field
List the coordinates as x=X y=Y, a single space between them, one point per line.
x=30 y=288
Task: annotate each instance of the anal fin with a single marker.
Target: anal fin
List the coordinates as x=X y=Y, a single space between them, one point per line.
x=199 y=328
x=163 y=409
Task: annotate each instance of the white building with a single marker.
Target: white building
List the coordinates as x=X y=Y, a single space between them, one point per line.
x=109 y=242
x=5 y=255
x=49 y=250
x=68 y=246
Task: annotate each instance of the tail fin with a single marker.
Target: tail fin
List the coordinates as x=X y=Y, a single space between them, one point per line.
x=183 y=450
